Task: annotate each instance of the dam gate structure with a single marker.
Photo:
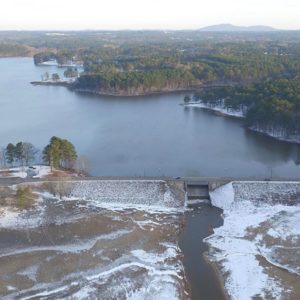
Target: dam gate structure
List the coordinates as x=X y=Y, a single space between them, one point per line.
x=197 y=192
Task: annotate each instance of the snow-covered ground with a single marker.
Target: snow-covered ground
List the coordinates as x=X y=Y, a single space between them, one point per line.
x=37 y=171
x=221 y=109
x=56 y=64
x=83 y=248
x=257 y=249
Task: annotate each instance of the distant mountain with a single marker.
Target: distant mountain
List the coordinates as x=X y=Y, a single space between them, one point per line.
x=233 y=28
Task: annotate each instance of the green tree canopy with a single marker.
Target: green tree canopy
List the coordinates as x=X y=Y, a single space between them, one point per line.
x=60 y=153
x=10 y=153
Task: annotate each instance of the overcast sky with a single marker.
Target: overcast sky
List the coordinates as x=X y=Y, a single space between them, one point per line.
x=146 y=14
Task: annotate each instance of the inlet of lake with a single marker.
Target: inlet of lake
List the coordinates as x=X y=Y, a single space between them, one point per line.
x=135 y=136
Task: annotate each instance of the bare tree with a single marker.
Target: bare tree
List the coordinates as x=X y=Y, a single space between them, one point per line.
x=29 y=153
x=60 y=187
x=45 y=76
x=83 y=165
x=2 y=158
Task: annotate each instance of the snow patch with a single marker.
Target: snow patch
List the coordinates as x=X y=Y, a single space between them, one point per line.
x=221 y=109
x=37 y=171
x=223 y=197
x=254 y=211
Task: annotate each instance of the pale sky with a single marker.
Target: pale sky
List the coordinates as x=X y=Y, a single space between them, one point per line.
x=146 y=14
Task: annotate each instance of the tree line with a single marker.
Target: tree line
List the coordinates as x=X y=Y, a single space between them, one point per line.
x=272 y=106
x=22 y=153
x=59 y=153
x=143 y=62
x=136 y=69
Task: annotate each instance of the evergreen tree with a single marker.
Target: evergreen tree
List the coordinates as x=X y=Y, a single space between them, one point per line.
x=59 y=153
x=187 y=99
x=10 y=153
x=55 y=77
x=19 y=155
x=68 y=153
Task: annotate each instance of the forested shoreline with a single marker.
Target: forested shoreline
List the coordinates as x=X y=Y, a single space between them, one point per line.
x=271 y=108
x=146 y=62
x=257 y=73
x=159 y=70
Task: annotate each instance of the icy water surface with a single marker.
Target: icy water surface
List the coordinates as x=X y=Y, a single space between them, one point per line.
x=82 y=250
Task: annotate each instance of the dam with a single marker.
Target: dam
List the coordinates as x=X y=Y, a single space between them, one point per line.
x=87 y=235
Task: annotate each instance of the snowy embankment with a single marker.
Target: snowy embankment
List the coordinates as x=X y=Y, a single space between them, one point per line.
x=277 y=134
x=37 y=171
x=257 y=248
x=119 y=194
x=220 y=109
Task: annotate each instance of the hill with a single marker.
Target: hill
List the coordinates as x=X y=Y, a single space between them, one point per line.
x=230 y=27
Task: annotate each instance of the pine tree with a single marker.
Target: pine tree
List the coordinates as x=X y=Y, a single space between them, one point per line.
x=19 y=155
x=68 y=152
x=10 y=153
x=59 y=153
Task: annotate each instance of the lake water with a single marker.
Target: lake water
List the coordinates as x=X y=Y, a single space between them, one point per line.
x=135 y=136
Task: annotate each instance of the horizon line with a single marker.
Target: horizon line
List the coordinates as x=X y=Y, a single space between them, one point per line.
x=158 y=29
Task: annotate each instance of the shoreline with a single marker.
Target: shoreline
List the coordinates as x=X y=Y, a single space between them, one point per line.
x=238 y=115
x=281 y=139
x=164 y=92
x=51 y=83
x=151 y=93
x=220 y=110
x=218 y=273
x=14 y=56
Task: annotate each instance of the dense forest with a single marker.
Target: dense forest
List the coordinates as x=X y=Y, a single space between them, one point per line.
x=11 y=49
x=271 y=107
x=140 y=70
x=142 y=62
x=256 y=72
